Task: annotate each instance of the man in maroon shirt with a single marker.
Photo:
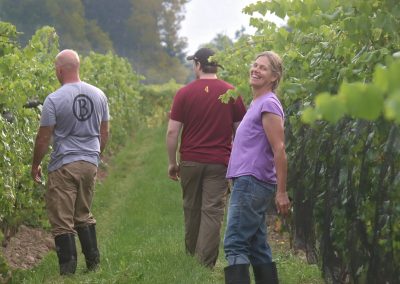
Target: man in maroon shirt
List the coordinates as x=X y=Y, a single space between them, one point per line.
x=208 y=127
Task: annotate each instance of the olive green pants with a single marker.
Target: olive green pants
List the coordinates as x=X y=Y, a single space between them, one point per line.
x=69 y=197
x=205 y=189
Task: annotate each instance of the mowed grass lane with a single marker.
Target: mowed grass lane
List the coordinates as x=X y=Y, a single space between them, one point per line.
x=140 y=228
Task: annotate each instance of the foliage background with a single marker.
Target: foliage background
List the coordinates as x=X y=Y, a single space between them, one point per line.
x=344 y=163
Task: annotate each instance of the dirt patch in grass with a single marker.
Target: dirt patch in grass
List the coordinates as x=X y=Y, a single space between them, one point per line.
x=27 y=247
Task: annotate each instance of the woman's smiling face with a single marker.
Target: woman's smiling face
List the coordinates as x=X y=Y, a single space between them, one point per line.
x=261 y=74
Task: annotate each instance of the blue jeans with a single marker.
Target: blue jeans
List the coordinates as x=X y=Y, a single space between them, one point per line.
x=246 y=232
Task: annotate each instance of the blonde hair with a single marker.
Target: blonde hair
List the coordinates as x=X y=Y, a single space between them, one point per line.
x=276 y=66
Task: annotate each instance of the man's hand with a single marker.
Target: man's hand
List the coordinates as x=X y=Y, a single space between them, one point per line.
x=282 y=203
x=36 y=173
x=173 y=171
x=42 y=142
x=174 y=128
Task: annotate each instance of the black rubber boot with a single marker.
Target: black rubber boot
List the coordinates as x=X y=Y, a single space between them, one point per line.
x=66 y=252
x=266 y=273
x=237 y=274
x=87 y=237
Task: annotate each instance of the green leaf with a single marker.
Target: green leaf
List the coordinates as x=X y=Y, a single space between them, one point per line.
x=309 y=115
x=362 y=100
x=376 y=34
x=331 y=107
x=324 y=5
x=392 y=107
x=394 y=75
x=380 y=78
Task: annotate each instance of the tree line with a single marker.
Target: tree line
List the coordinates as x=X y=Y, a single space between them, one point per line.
x=144 y=31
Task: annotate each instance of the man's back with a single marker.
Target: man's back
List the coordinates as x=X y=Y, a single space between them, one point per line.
x=207 y=122
x=76 y=110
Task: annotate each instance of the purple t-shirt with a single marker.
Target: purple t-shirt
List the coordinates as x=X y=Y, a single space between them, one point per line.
x=252 y=153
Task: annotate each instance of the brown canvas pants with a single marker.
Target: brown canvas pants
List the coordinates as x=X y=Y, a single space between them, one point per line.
x=69 y=197
x=204 y=189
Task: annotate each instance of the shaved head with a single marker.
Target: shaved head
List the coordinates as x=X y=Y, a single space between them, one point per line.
x=68 y=59
x=67 y=66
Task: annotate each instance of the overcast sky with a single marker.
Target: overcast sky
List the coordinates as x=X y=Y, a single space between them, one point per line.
x=204 y=19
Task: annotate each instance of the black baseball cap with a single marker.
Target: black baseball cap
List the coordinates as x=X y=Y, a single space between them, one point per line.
x=202 y=56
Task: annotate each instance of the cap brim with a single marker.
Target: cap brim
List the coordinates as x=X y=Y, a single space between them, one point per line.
x=190 y=57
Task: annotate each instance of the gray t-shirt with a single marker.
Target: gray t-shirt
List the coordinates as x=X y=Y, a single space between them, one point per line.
x=76 y=111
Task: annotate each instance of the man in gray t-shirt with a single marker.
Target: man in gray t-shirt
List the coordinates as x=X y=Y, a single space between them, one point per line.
x=76 y=118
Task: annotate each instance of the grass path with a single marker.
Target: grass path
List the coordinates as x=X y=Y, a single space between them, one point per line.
x=140 y=228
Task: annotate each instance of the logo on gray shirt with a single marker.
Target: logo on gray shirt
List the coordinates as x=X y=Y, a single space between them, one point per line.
x=83 y=107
